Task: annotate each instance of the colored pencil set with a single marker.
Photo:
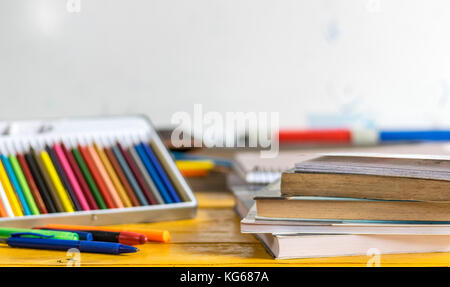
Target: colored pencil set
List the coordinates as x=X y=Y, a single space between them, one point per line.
x=79 y=174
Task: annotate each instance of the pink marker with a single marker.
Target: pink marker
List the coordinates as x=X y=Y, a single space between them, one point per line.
x=73 y=181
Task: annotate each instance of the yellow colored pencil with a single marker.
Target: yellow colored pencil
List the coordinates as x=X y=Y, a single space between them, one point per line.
x=15 y=205
x=62 y=193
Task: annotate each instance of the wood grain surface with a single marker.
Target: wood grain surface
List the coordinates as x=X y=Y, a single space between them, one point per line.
x=211 y=239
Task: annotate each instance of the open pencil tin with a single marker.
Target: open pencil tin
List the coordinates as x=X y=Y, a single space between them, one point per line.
x=18 y=135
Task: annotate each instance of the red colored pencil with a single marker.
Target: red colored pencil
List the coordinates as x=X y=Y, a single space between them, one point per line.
x=122 y=177
x=97 y=177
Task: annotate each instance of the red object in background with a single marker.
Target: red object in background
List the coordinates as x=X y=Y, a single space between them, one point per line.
x=315 y=136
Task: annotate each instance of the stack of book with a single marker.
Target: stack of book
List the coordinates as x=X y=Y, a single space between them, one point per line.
x=351 y=204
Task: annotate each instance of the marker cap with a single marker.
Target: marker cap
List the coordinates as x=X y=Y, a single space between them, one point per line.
x=132 y=238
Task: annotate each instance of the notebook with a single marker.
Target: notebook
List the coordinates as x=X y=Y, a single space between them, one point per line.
x=256 y=170
x=371 y=176
x=290 y=245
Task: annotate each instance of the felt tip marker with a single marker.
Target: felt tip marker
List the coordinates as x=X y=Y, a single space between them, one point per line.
x=82 y=235
x=127 y=238
x=47 y=242
x=152 y=235
x=64 y=235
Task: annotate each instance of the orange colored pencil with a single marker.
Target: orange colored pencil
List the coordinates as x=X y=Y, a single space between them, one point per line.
x=109 y=185
x=97 y=177
x=122 y=177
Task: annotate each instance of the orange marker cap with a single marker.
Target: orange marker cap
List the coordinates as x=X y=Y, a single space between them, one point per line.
x=152 y=234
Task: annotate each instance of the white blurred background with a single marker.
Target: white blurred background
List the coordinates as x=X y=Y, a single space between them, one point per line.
x=319 y=63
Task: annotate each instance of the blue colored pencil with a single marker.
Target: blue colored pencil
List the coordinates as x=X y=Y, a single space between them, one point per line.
x=153 y=174
x=162 y=174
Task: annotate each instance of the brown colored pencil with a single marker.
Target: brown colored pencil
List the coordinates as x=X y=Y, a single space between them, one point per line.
x=121 y=175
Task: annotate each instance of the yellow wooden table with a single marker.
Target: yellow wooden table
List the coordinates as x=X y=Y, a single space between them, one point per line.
x=211 y=239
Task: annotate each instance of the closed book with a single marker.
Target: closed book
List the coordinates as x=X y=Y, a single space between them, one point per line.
x=289 y=245
x=353 y=209
x=371 y=176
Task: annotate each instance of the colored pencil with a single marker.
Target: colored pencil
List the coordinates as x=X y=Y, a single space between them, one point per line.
x=147 y=179
x=161 y=173
x=104 y=175
x=137 y=174
x=48 y=181
x=6 y=205
x=15 y=184
x=23 y=185
x=79 y=176
x=71 y=177
x=120 y=173
x=63 y=178
x=59 y=187
x=31 y=184
x=173 y=172
x=113 y=176
x=129 y=174
x=12 y=198
x=97 y=177
x=152 y=172
x=89 y=179
x=40 y=183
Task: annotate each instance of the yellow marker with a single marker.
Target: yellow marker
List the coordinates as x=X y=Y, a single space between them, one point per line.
x=62 y=193
x=195 y=164
x=114 y=178
x=12 y=198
